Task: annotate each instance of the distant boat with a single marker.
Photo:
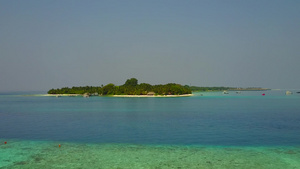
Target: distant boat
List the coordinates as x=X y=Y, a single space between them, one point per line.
x=86 y=95
x=238 y=92
x=298 y=92
x=225 y=92
x=288 y=92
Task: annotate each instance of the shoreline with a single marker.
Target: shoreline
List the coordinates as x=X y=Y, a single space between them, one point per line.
x=183 y=95
x=76 y=95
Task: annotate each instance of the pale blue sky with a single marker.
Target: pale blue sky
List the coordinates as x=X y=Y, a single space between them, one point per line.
x=239 y=43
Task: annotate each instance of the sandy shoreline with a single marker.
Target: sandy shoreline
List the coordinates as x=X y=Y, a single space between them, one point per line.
x=183 y=95
x=74 y=95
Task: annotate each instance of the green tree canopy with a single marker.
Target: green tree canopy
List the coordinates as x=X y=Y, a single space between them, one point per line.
x=131 y=82
x=108 y=89
x=131 y=87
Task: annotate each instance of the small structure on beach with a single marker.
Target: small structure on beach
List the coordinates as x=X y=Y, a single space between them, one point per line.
x=150 y=94
x=86 y=95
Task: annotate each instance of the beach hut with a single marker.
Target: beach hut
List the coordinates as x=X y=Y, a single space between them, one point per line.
x=150 y=94
x=288 y=92
x=86 y=95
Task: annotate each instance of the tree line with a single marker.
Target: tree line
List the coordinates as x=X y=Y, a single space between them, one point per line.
x=131 y=87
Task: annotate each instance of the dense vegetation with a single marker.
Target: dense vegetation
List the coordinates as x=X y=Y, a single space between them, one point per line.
x=131 y=87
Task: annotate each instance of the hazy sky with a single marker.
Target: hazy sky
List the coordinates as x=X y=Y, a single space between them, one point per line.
x=240 y=43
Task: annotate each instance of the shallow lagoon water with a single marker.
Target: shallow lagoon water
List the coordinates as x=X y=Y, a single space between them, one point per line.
x=47 y=154
x=244 y=130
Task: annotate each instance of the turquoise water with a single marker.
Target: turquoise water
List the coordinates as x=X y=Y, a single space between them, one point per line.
x=208 y=130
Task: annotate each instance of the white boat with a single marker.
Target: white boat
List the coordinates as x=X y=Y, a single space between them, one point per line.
x=86 y=95
x=225 y=92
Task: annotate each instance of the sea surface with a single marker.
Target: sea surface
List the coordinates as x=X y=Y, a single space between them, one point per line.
x=207 y=130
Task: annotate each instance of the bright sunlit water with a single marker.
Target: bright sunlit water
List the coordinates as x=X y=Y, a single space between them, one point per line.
x=208 y=130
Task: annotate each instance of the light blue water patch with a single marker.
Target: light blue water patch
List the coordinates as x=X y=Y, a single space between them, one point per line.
x=214 y=130
x=48 y=154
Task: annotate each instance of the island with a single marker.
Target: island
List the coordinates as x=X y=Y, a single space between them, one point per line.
x=131 y=88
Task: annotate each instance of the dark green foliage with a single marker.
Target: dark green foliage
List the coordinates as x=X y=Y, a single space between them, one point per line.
x=131 y=82
x=131 y=87
x=108 y=89
x=76 y=90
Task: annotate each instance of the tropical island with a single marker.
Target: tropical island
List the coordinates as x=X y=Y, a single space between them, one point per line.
x=130 y=88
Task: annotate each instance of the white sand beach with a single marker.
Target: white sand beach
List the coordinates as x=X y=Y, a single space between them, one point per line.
x=74 y=95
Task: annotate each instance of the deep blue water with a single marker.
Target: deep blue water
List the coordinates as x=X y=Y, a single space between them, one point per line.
x=247 y=119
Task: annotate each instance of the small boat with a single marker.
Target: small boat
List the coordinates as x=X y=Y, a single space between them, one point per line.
x=238 y=92
x=288 y=93
x=298 y=92
x=225 y=92
x=86 y=95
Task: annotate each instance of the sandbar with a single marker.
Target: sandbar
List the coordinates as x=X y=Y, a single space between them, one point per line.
x=182 y=95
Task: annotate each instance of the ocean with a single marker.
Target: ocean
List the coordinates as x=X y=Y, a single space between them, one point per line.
x=207 y=130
